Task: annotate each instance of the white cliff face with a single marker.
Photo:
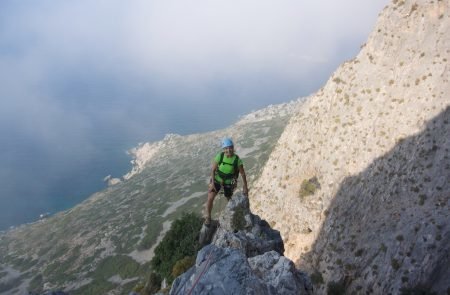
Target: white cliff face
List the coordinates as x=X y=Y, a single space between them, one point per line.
x=391 y=92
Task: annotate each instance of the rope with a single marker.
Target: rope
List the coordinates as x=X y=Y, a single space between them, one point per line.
x=201 y=274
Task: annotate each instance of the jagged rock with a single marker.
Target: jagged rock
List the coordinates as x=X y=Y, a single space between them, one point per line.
x=236 y=215
x=228 y=271
x=280 y=272
x=240 y=229
x=244 y=258
x=218 y=271
x=207 y=233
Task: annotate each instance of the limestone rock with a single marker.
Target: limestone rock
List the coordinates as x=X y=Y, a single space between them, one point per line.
x=220 y=271
x=245 y=257
x=280 y=272
x=240 y=229
x=376 y=137
x=207 y=232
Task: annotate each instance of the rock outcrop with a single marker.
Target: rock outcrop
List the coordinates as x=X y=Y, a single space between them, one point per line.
x=245 y=257
x=240 y=229
x=358 y=184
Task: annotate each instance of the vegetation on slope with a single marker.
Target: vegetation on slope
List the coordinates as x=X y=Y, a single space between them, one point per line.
x=178 y=246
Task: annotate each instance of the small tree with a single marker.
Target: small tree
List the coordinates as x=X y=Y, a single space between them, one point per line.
x=180 y=241
x=182 y=265
x=153 y=284
x=336 y=288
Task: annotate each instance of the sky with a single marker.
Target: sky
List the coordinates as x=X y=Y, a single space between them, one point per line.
x=83 y=81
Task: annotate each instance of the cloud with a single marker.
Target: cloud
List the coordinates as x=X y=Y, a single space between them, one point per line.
x=57 y=58
x=196 y=40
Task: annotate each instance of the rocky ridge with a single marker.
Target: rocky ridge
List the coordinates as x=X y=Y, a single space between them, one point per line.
x=245 y=257
x=358 y=183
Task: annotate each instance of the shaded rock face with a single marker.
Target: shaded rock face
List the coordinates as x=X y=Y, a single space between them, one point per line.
x=388 y=227
x=245 y=257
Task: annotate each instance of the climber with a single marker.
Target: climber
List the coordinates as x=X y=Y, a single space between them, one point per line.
x=225 y=171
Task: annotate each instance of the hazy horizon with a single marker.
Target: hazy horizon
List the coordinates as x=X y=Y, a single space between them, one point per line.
x=83 y=82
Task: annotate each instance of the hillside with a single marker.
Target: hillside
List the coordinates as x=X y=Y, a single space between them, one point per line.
x=105 y=243
x=358 y=183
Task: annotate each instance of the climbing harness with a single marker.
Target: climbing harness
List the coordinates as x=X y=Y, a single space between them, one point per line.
x=235 y=174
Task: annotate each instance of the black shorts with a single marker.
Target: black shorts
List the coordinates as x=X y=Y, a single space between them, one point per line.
x=227 y=189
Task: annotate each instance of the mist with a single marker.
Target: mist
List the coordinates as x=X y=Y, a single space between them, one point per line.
x=83 y=82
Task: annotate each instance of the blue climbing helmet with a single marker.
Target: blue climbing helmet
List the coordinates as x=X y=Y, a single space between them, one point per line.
x=227 y=142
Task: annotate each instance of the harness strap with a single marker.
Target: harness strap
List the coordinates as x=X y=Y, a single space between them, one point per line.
x=227 y=176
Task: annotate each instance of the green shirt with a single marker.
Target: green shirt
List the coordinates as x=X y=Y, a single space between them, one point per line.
x=226 y=167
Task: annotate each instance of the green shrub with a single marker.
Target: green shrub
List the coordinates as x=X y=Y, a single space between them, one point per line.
x=96 y=287
x=182 y=265
x=238 y=221
x=139 y=288
x=59 y=271
x=395 y=264
x=36 y=284
x=336 y=288
x=317 y=278
x=417 y=290
x=153 y=284
x=122 y=265
x=151 y=233
x=422 y=199
x=337 y=80
x=180 y=241
x=309 y=187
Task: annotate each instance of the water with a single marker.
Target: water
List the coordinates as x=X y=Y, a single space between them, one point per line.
x=39 y=181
